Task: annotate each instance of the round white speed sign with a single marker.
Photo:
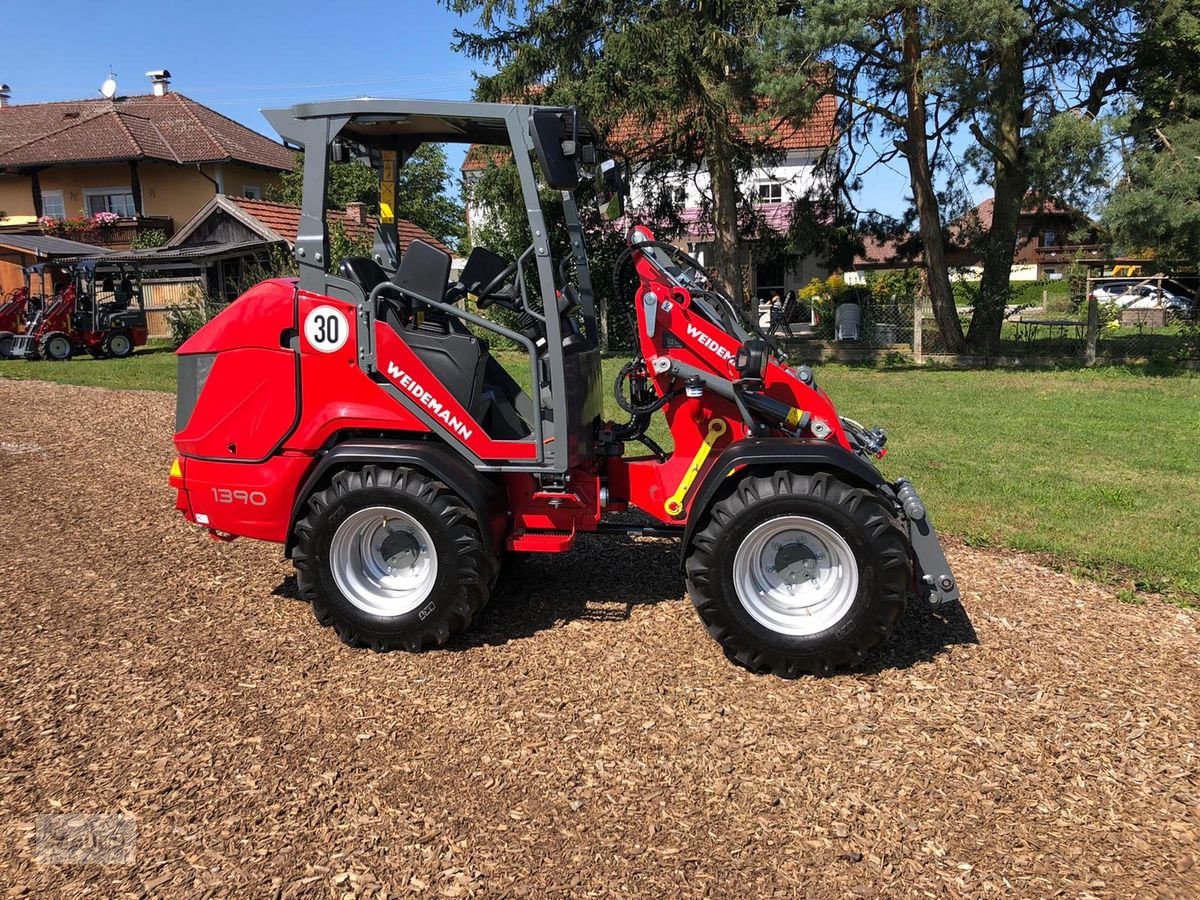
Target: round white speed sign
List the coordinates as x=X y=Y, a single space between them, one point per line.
x=326 y=329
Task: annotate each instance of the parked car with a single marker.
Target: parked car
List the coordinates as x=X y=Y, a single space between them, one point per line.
x=1111 y=290
x=1149 y=296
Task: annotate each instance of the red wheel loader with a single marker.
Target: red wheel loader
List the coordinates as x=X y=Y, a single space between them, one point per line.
x=12 y=317
x=357 y=417
x=95 y=308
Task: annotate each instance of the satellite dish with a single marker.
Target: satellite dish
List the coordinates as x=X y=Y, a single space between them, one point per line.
x=109 y=88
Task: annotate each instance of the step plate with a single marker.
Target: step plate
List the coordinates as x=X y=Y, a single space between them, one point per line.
x=542 y=541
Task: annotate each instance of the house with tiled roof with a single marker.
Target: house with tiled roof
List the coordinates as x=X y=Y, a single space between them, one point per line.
x=140 y=162
x=1048 y=242
x=793 y=172
x=230 y=219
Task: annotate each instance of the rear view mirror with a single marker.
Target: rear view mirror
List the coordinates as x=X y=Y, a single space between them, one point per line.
x=611 y=188
x=555 y=143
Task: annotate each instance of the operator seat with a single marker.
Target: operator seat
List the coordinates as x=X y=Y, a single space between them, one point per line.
x=363 y=271
x=455 y=356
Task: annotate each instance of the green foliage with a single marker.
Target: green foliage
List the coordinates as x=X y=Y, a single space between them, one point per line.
x=349 y=182
x=422 y=186
x=149 y=239
x=1155 y=208
x=186 y=319
x=343 y=245
x=683 y=76
x=1026 y=79
x=423 y=196
x=504 y=229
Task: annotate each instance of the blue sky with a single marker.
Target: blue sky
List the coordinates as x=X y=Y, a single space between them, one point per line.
x=238 y=57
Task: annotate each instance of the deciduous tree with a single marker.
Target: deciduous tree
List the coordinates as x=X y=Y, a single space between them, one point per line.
x=682 y=73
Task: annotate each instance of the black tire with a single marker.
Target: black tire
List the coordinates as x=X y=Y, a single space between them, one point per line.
x=117 y=344
x=465 y=570
x=870 y=532
x=55 y=346
x=6 y=342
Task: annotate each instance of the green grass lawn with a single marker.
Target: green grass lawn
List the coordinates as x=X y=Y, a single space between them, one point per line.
x=1097 y=469
x=151 y=368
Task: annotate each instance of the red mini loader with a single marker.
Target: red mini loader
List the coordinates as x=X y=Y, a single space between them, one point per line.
x=95 y=308
x=354 y=417
x=12 y=317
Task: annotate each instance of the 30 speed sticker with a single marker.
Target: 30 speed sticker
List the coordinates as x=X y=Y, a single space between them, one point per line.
x=326 y=329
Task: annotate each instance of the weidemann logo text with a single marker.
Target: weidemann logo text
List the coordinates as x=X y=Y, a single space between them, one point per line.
x=430 y=402
x=711 y=343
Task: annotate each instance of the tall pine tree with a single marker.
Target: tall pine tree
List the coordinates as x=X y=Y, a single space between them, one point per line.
x=1156 y=205
x=682 y=74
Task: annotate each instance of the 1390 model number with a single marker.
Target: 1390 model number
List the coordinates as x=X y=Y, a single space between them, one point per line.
x=250 y=498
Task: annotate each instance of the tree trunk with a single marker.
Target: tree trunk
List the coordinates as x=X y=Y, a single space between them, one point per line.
x=727 y=244
x=916 y=151
x=1010 y=180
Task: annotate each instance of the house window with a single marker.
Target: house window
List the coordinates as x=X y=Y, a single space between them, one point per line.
x=252 y=191
x=113 y=200
x=1049 y=238
x=770 y=191
x=53 y=205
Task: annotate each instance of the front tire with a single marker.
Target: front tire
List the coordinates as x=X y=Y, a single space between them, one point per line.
x=391 y=559
x=796 y=574
x=118 y=344
x=6 y=342
x=55 y=346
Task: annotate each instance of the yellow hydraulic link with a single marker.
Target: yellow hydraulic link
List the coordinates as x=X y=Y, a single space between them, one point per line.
x=674 y=505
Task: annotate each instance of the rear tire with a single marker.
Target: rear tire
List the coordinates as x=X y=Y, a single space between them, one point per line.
x=796 y=574
x=392 y=559
x=6 y=342
x=55 y=346
x=118 y=344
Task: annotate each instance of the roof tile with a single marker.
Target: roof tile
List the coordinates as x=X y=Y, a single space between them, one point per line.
x=172 y=128
x=284 y=220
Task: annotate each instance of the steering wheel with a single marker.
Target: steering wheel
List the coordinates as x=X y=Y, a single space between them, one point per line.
x=484 y=298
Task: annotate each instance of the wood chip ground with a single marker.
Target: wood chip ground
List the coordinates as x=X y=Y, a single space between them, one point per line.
x=586 y=738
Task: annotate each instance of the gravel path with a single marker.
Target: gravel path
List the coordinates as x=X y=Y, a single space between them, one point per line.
x=586 y=738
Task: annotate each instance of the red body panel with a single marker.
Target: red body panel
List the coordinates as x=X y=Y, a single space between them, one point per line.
x=12 y=310
x=247 y=408
x=245 y=500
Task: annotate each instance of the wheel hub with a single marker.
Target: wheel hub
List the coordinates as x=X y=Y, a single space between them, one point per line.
x=795 y=562
x=400 y=550
x=383 y=561
x=795 y=575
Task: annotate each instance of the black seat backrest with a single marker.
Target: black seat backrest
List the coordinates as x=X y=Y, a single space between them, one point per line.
x=455 y=356
x=363 y=271
x=424 y=271
x=482 y=266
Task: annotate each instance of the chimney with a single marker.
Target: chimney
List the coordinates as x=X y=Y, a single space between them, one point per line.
x=161 y=79
x=356 y=213
x=5 y=96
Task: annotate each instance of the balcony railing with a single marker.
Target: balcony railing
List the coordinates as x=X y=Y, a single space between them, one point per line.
x=118 y=235
x=1068 y=252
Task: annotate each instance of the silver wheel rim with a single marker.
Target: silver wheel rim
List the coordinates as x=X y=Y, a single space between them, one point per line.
x=118 y=345
x=383 y=561
x=795 y=575
x=59 y=348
